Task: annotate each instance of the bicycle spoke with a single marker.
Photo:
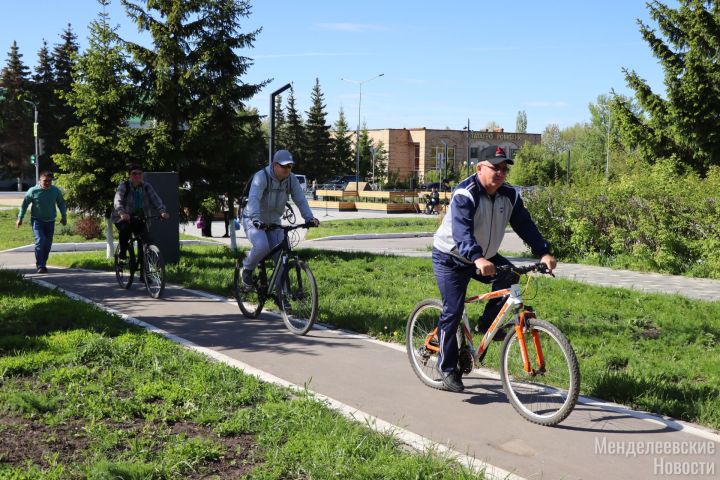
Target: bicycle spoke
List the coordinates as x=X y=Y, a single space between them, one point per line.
x=154 y=271
x=421 y=345
x=300 y=294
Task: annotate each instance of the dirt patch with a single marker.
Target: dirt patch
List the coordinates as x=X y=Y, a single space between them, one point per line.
x=25 y=441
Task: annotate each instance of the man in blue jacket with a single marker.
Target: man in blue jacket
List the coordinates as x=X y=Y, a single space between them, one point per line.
x=269 y=192
x=44 y=197
x=468 y=241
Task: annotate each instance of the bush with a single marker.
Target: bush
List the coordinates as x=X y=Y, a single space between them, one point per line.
x=655 y=218
x=88 y=227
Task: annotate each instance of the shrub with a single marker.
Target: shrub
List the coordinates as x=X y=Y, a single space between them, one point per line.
x=88 y=227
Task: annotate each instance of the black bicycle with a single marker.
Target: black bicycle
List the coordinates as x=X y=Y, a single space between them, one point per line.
x=143 y=257
x=289 y=214
x=291 y=284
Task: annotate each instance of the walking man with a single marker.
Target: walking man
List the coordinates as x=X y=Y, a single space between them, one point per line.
x=44 y=198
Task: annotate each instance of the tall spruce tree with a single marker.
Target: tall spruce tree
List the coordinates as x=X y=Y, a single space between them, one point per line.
x=318 y=157
x=99 y=146
x=61 y=116
x=684 y=123
x=16 y=137
x=46 y=98
x=191 y=90
x=280 y=125
x=342 y=148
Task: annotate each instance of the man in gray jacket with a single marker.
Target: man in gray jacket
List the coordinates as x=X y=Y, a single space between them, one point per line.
x=269 y=192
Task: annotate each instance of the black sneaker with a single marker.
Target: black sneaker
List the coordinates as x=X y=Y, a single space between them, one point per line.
x=453 y=381
x=246 y=279
x=499 y=335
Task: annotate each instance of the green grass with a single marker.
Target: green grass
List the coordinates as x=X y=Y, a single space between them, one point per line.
x=375 y=225
x=85 y=395
x=649 y=351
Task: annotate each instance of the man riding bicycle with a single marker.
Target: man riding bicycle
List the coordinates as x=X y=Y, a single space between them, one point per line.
x=468 y=240
x=269 y=192
x=133 y=198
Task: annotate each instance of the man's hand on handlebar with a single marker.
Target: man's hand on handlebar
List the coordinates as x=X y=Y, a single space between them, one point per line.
x=549 y=262
x=164 y=215
x=485 y=267
x=125 y=217
x=315 y=222
x=260 y=225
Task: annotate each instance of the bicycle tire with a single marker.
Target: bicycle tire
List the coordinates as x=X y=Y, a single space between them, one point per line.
x=289 y=214
x=125 y=271
x=421 y=322
x=250 y=303
x=154 y=271
x=302 y=294
x=548 y=397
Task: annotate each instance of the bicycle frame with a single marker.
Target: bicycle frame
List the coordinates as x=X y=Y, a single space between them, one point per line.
x=513 y=304
x=281 y=265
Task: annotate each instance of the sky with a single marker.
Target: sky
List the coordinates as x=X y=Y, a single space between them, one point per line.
x=444 y=64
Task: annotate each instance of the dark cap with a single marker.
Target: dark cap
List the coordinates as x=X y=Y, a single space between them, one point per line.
x=283 y=157
x=494 y=155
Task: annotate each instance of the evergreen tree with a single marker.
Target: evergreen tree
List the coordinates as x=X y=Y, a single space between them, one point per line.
x=366 y=147
x=16 y=137
x=684 y=124
x=280 y=125
x=99 y=146
x=61 y=116
x=192 y=93
x=45 y=97
x=318 y=156
x=294 y=134
x=521 y=122
x=342 y=148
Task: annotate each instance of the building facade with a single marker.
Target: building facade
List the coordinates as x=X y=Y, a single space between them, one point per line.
x=416 y=151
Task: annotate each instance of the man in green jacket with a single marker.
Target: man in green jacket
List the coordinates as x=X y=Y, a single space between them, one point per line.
x=44 y=197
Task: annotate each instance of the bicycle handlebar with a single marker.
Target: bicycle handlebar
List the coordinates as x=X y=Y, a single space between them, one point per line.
x=287 y=228
x=534 y=267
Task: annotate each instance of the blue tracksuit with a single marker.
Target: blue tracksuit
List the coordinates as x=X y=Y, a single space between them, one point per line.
x=474 y=227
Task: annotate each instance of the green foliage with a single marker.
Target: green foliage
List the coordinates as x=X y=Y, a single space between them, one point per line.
x=16 y=116
x=342 y=148
x=536 y=165
x=655 y=217
x=683 y=125
x=318 y=151
x=521 y=122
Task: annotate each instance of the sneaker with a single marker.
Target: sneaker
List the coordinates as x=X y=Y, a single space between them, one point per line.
x=247 y=279
x=42 y=270
x=226 y=236
x=499 y=335
x=453 y=381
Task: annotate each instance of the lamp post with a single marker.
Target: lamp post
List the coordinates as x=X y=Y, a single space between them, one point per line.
x=35 y=134
x=357 y=132
x=468 y=147
x=271 y=133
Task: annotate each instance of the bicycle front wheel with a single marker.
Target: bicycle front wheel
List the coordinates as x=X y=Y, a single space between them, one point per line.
x=548 y=392
x=421 y=342
x=300 y=295
x=289 y=214
x=154 y=271
x=248 y=300
x=125 y=268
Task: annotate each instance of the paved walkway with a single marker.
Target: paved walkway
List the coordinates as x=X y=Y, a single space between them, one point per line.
x=372 y=381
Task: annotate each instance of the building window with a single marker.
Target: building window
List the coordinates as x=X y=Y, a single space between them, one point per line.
x=417 y=156
x=438 y=155
x=473 y=152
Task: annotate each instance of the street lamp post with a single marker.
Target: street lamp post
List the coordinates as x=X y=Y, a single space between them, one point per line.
x=468 y=147
x=357 y=132
x=271 y=132
x=35 y=134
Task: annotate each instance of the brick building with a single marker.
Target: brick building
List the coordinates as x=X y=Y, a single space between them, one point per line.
x=419 y=150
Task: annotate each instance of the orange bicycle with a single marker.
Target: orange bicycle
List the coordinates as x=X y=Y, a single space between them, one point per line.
x=538 y=367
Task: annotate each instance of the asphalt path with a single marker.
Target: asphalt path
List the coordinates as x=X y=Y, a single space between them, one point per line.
x=374 y=379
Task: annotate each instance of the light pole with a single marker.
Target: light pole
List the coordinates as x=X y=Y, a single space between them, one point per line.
x=35 y=134
x=468 y=147
x=271 y=133
x=357 y=132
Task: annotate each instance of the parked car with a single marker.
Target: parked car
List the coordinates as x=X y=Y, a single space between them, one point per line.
x=303 y=181
x=340 y=182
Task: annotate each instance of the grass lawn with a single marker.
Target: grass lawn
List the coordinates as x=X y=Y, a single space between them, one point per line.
x=85 y=395
x=649 y=351
x=375 y=225
x=11 y=237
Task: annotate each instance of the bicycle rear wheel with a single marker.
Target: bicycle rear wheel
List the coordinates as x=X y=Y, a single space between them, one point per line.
x=422 y=344
x=154 y=271
x=301 y=295
x=250 y=303
x=125 y=269
x=548 y=393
